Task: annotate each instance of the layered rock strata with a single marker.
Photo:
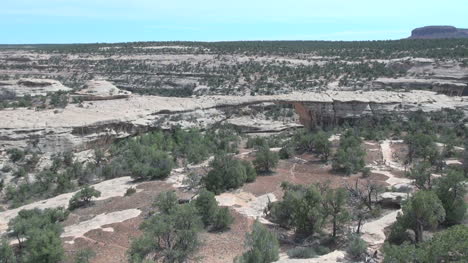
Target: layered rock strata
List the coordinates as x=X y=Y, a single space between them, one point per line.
x=99 y=122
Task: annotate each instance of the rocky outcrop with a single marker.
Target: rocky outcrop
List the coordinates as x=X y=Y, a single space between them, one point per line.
x=392 y=199
x=80 y=127
x=33 y=87
x=101 y=90
x=447 y=87
x=434 y=32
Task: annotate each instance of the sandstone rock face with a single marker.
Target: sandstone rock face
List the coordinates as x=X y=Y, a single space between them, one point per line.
x=99 y=122
x=447 y=87
x=33 y=87
x=434 y=32
x=101 y=90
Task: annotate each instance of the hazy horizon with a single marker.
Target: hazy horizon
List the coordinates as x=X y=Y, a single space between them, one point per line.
x=105 y=21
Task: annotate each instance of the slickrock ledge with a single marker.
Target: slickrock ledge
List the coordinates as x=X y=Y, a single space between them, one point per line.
x=101 y=121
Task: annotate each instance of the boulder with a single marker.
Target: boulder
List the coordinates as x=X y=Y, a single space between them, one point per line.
x=392 y=198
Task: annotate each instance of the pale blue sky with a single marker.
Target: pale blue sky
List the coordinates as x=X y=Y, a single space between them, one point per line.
x=90 y=21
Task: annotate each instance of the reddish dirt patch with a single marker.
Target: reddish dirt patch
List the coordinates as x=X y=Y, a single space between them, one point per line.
x=108 y=246
x=112 y=246
x=310 y=172
x=141 y=200
x=224 y=247
x=217 y=247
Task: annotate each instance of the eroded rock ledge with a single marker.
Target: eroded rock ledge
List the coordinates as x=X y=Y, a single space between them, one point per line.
x=81 y=128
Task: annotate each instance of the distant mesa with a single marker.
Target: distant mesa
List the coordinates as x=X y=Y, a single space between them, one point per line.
x=435 y=32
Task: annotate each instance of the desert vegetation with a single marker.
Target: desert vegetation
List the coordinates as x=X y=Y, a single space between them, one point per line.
x=380 y=184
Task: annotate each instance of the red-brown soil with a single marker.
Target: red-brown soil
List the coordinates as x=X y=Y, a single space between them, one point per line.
x=217 y=247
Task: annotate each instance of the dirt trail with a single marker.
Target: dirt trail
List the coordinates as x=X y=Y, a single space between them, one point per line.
x=373 y=231
x=387 y=154
x=291 y=171
x=389 y=163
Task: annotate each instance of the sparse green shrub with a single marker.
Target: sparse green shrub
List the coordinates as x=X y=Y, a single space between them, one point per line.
x=6 y=168
x=84 y=256
x=15 y=155
x=68 y=158
x=192 y=181
x=255 y=142
x=207 y=206
x=321 y=144
x=263 y=246
x=449 y=245
x=250 y=172
x=130 y=191
x=171 y=235
x=20 y=173
x=58 y=99
x=83 y=197
x=321 y=250
x=7 y=254
x=422 y=210
x=422 y=176
x=151 y=164
x=398 y=234
x=334 y=205
x=302 y=252
x=38 y=234
x=166 y=201
x=222 y=219
x=451 y=191
x=356 y=247
x=421 y=145
x=286 y=152
x=366 y=172
x=300 y=209
x=226 y=173
x=265 y=160
x=350 y=156
x=98 y=156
